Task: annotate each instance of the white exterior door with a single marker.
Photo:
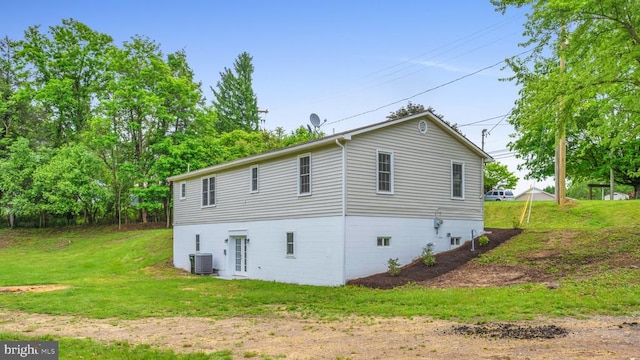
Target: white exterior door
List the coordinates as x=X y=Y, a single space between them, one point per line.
x=240 y=255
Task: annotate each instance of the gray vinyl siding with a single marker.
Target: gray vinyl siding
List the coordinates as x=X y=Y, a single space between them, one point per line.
x=421 y=178
x=277 y=197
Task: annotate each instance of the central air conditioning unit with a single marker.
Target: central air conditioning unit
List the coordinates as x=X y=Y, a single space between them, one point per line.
x=204 y=263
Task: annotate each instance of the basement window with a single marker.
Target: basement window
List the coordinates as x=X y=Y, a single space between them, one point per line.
x=384 y=241
x=455 y=241
x=290 y=244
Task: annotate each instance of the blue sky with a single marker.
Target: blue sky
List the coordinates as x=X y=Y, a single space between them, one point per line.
x=352 y=62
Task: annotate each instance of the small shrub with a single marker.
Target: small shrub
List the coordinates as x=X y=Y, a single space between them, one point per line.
x=483 y=240
x=428 y=258
x=394 y=267
x=515 y=223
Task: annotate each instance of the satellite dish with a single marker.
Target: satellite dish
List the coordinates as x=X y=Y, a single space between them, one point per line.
x=315 y=119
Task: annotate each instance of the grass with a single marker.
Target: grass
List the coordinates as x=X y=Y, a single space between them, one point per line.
x=70 y=348
x=127 y=275
x=546 y=215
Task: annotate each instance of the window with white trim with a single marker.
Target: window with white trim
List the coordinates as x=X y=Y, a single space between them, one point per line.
x=253 y=178
x=304 y=175
x=384 y=171
x=457 y=180
x=384 y=241
x=291 y=250
x=455 y=241
x=183 y=190
x=209 y=191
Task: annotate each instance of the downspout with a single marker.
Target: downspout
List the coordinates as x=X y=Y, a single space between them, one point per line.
x=344 y=211
x=482 y=165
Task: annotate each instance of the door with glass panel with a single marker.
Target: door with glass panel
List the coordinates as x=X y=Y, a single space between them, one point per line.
x=240 y=255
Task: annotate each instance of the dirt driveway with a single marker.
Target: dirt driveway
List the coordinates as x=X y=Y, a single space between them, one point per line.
x=353 y=338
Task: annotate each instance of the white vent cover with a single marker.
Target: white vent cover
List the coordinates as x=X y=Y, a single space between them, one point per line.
x=204 y=263
x=423 y=127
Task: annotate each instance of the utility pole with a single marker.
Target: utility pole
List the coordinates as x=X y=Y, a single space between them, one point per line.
x=561 y=138
x=263 y=121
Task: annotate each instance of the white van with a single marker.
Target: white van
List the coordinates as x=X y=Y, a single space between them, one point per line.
x=498 y=195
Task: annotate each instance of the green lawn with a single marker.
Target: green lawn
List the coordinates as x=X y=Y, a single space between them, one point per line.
x=127 y=274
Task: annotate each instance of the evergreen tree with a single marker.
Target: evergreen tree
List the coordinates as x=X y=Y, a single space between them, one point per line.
x=235 y=101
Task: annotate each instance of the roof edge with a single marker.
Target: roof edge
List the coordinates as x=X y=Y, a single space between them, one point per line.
x=346 y=136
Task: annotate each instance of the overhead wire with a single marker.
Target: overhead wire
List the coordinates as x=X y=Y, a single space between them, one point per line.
x=432 y=89
x=374 y=81
x=446 y=48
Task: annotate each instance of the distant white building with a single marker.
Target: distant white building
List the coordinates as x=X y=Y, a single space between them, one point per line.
x=536 y=195
x=616 y=196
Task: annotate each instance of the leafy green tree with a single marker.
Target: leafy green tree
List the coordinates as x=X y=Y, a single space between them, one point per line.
x=497 y=175
x=16 y=180
x=17 y=116
x=73 y=182
x=297 y=136
x=592 y=98
x=235 y=101
x=147 y=100
x=67 y=68
x=412 y=109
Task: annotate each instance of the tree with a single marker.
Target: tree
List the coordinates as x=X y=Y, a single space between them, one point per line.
x=235 y=102
x=17 y=115
x=67 y=73
x=146 y=101
x=73 y=182
x=497 y=175
x=412 y=109
x=16 y=180
x=593 y=100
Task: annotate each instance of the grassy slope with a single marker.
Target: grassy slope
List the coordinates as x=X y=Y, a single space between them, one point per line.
x=546 y=215
x=126 y=274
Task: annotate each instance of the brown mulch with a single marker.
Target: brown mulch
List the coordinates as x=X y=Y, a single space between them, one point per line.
x=447 y=261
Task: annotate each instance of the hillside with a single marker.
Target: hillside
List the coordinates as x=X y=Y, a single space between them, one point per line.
x=578 y=240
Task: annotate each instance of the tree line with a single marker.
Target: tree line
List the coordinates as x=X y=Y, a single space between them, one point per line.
x=90 y=130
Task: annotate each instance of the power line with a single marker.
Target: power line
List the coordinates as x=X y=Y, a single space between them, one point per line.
x=431 y=89
x=483 y=120
x=445 y=48
x=504 y=117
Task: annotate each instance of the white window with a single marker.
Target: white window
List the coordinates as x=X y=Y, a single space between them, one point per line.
x=183 y=190
x=457 y=180
x=304 y=175
x=253 y=178
x=290 y=244
x=384 y=170
x=384 y=241
x=455 y=241
x=209 y=191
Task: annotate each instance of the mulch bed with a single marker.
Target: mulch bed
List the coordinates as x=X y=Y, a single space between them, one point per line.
x=445 y=262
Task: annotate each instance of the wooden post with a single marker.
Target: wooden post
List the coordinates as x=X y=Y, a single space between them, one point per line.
x=561 y=140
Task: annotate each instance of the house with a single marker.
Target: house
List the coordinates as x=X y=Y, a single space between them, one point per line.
x=336 y=208
x=535 y=194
